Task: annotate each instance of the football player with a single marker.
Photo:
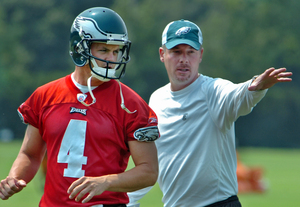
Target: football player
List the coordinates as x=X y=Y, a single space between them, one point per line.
x=82 y=122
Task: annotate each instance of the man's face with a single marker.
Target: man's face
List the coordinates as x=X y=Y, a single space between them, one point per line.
x=105 y=52
x=182 y=63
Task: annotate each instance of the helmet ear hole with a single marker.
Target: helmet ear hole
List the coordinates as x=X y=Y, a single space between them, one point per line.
x=78 y=59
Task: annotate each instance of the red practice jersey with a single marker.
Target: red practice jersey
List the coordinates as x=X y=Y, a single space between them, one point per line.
x=86 y=141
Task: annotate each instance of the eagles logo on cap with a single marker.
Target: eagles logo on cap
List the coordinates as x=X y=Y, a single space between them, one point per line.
x=182 y=32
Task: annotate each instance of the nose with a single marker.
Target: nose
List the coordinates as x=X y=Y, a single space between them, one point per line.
x=183 y=58
x=110 y=56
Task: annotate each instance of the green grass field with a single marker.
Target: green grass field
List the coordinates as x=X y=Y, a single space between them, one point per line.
x=281 y=172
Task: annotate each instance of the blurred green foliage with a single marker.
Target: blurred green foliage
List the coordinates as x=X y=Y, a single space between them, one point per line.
x=242 y=38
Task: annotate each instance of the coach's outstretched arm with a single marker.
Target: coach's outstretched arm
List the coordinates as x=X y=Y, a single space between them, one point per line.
x=26 y=164
x=269 y=78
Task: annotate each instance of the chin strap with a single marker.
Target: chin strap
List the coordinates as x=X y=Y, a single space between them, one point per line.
x=122 y=101
x=94 y=99
x=90 y=90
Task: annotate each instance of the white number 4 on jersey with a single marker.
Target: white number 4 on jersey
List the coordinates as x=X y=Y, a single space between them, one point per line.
x=72 y=149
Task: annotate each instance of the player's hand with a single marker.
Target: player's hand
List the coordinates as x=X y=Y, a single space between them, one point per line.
x=269 y=78
x=10 y=186
x=87 y=185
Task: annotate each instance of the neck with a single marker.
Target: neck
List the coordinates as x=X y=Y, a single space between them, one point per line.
x=82 y=74
x=177 y=86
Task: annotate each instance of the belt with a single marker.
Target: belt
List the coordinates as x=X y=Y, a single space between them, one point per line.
x=221 y=203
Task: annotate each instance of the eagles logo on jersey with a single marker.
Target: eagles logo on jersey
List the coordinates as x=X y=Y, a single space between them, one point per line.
x=147 y=134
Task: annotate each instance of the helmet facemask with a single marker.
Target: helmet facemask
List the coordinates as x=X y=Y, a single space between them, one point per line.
x=109 y=69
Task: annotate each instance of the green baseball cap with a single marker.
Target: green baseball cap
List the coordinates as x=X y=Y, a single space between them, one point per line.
x=182 y=32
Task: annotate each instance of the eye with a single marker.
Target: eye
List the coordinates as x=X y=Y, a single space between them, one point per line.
x=102 y=50
x=116 y=52
x=176 y=51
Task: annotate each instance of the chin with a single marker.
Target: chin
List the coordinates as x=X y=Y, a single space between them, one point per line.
x=183 y=78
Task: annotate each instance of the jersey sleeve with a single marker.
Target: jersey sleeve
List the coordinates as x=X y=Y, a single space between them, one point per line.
x=29 y=110
x=149 y=132
x=142 y=125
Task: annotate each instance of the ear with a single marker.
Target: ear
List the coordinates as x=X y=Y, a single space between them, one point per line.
x=201 y=54
x=161 y=54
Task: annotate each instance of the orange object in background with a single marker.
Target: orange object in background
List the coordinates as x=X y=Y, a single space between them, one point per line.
x=250 y=179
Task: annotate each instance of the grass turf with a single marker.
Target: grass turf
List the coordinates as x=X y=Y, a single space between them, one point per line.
x=281 y=172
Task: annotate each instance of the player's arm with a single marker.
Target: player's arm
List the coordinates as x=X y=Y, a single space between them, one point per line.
x=144 y=174
x=26 y=164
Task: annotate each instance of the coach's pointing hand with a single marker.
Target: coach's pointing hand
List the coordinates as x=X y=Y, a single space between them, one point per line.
x=269 y=78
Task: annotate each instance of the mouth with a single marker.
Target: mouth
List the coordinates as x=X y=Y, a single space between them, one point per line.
x=107 y=66
x=183 y=70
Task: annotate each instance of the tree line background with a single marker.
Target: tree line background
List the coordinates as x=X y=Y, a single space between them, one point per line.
x=242 y=38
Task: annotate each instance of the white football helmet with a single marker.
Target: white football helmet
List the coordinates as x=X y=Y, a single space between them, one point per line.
x=103 y=25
